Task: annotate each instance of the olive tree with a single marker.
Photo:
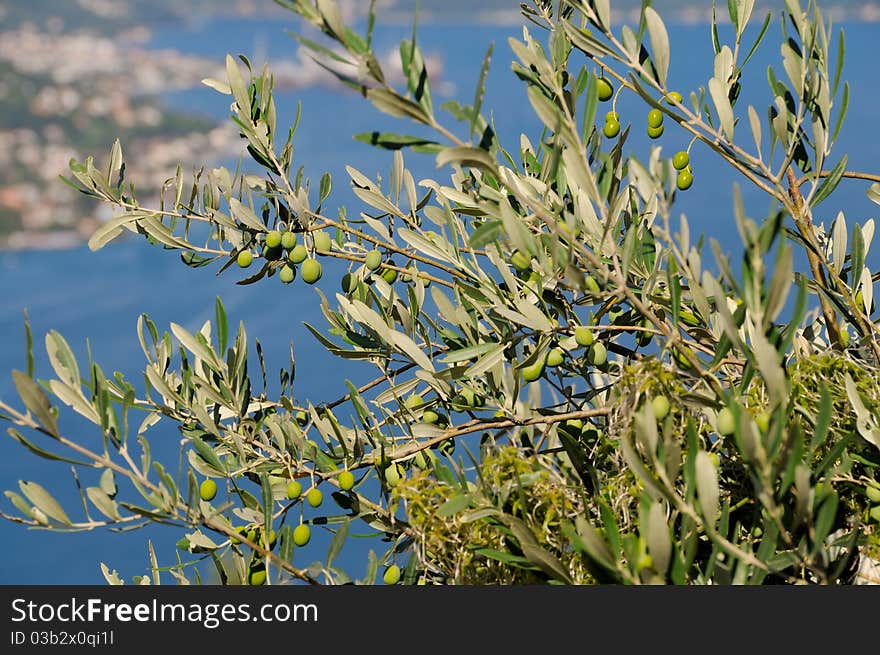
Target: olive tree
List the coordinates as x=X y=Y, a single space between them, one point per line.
x=564 y=389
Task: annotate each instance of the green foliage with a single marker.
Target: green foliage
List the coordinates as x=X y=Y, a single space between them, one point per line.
x=641 y=420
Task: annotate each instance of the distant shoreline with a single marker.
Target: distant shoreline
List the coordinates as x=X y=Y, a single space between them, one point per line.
x=71 y=236
x=697 y=14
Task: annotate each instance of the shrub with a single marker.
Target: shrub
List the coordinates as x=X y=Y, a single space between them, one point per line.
x=757 y=470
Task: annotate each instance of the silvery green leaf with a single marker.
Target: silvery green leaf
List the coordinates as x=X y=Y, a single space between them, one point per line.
x=426 y=247
x=246 y=215
x=464 y=354
x=217 y=85
x=236 y=84
x=603 y=11
x=112 y=577
x=838 y=242
x=535 y=316
x=108 y=482
x=767 y=362
x=707 y=487
x=377 y=200
x=867 y=289
x=466 y=156
x=794 y=67
x=36 y=401
x=826 y=188
x=659 y=44
x=722 y=106
x=780 y=284
x=44 y=501
x=866 y=422
x=106 y=505
x=544 y=109
x=723 y=66
x=113 y=228
x=755 y=123
x=408 y=347
x=657 y=536
x=196 y=346
x=487 y=362
x=395 y=105
x=744 y=10
x=199 y=539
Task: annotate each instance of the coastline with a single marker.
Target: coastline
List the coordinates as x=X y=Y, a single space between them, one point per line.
x=38 y=234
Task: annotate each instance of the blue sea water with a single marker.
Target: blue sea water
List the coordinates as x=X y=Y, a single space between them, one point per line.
x=98 y=296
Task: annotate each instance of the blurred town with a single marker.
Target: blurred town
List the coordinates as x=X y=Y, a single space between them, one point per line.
x=76 y=74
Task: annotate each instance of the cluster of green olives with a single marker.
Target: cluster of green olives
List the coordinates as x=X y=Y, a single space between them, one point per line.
x=375 y=265
x=284 y=246
x=596 y=354
x=681 y=162
x=655 y=127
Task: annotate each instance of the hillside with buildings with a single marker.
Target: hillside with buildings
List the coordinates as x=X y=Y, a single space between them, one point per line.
x=74 y=75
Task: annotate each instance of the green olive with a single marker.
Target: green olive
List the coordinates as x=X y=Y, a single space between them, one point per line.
x=287 y=274
x=521 y=261
x=315 y=497
x=346 y=480
x=311 y=271
x=583 y=336
x=298 y=254
x=273 y=239
x=611 y=129
x=534 y=371
x=271 y=541
x=373 y=260
x=555 y=357
x=726 y=422
x=423 y=459
x=660 y=405
x=244 y=259
x=302 y=534
x=321 y=240
x=604 y=88
x=294 y=490
x=393 y=474
x=763 y=421
x=681 y=160
x=598 y=354
x=288 y=240
x=391 y=575
x=257 y=576
x=207 y=490
x=414 y=401
x=684 y=180
x=348 y=283
x=389 y=274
